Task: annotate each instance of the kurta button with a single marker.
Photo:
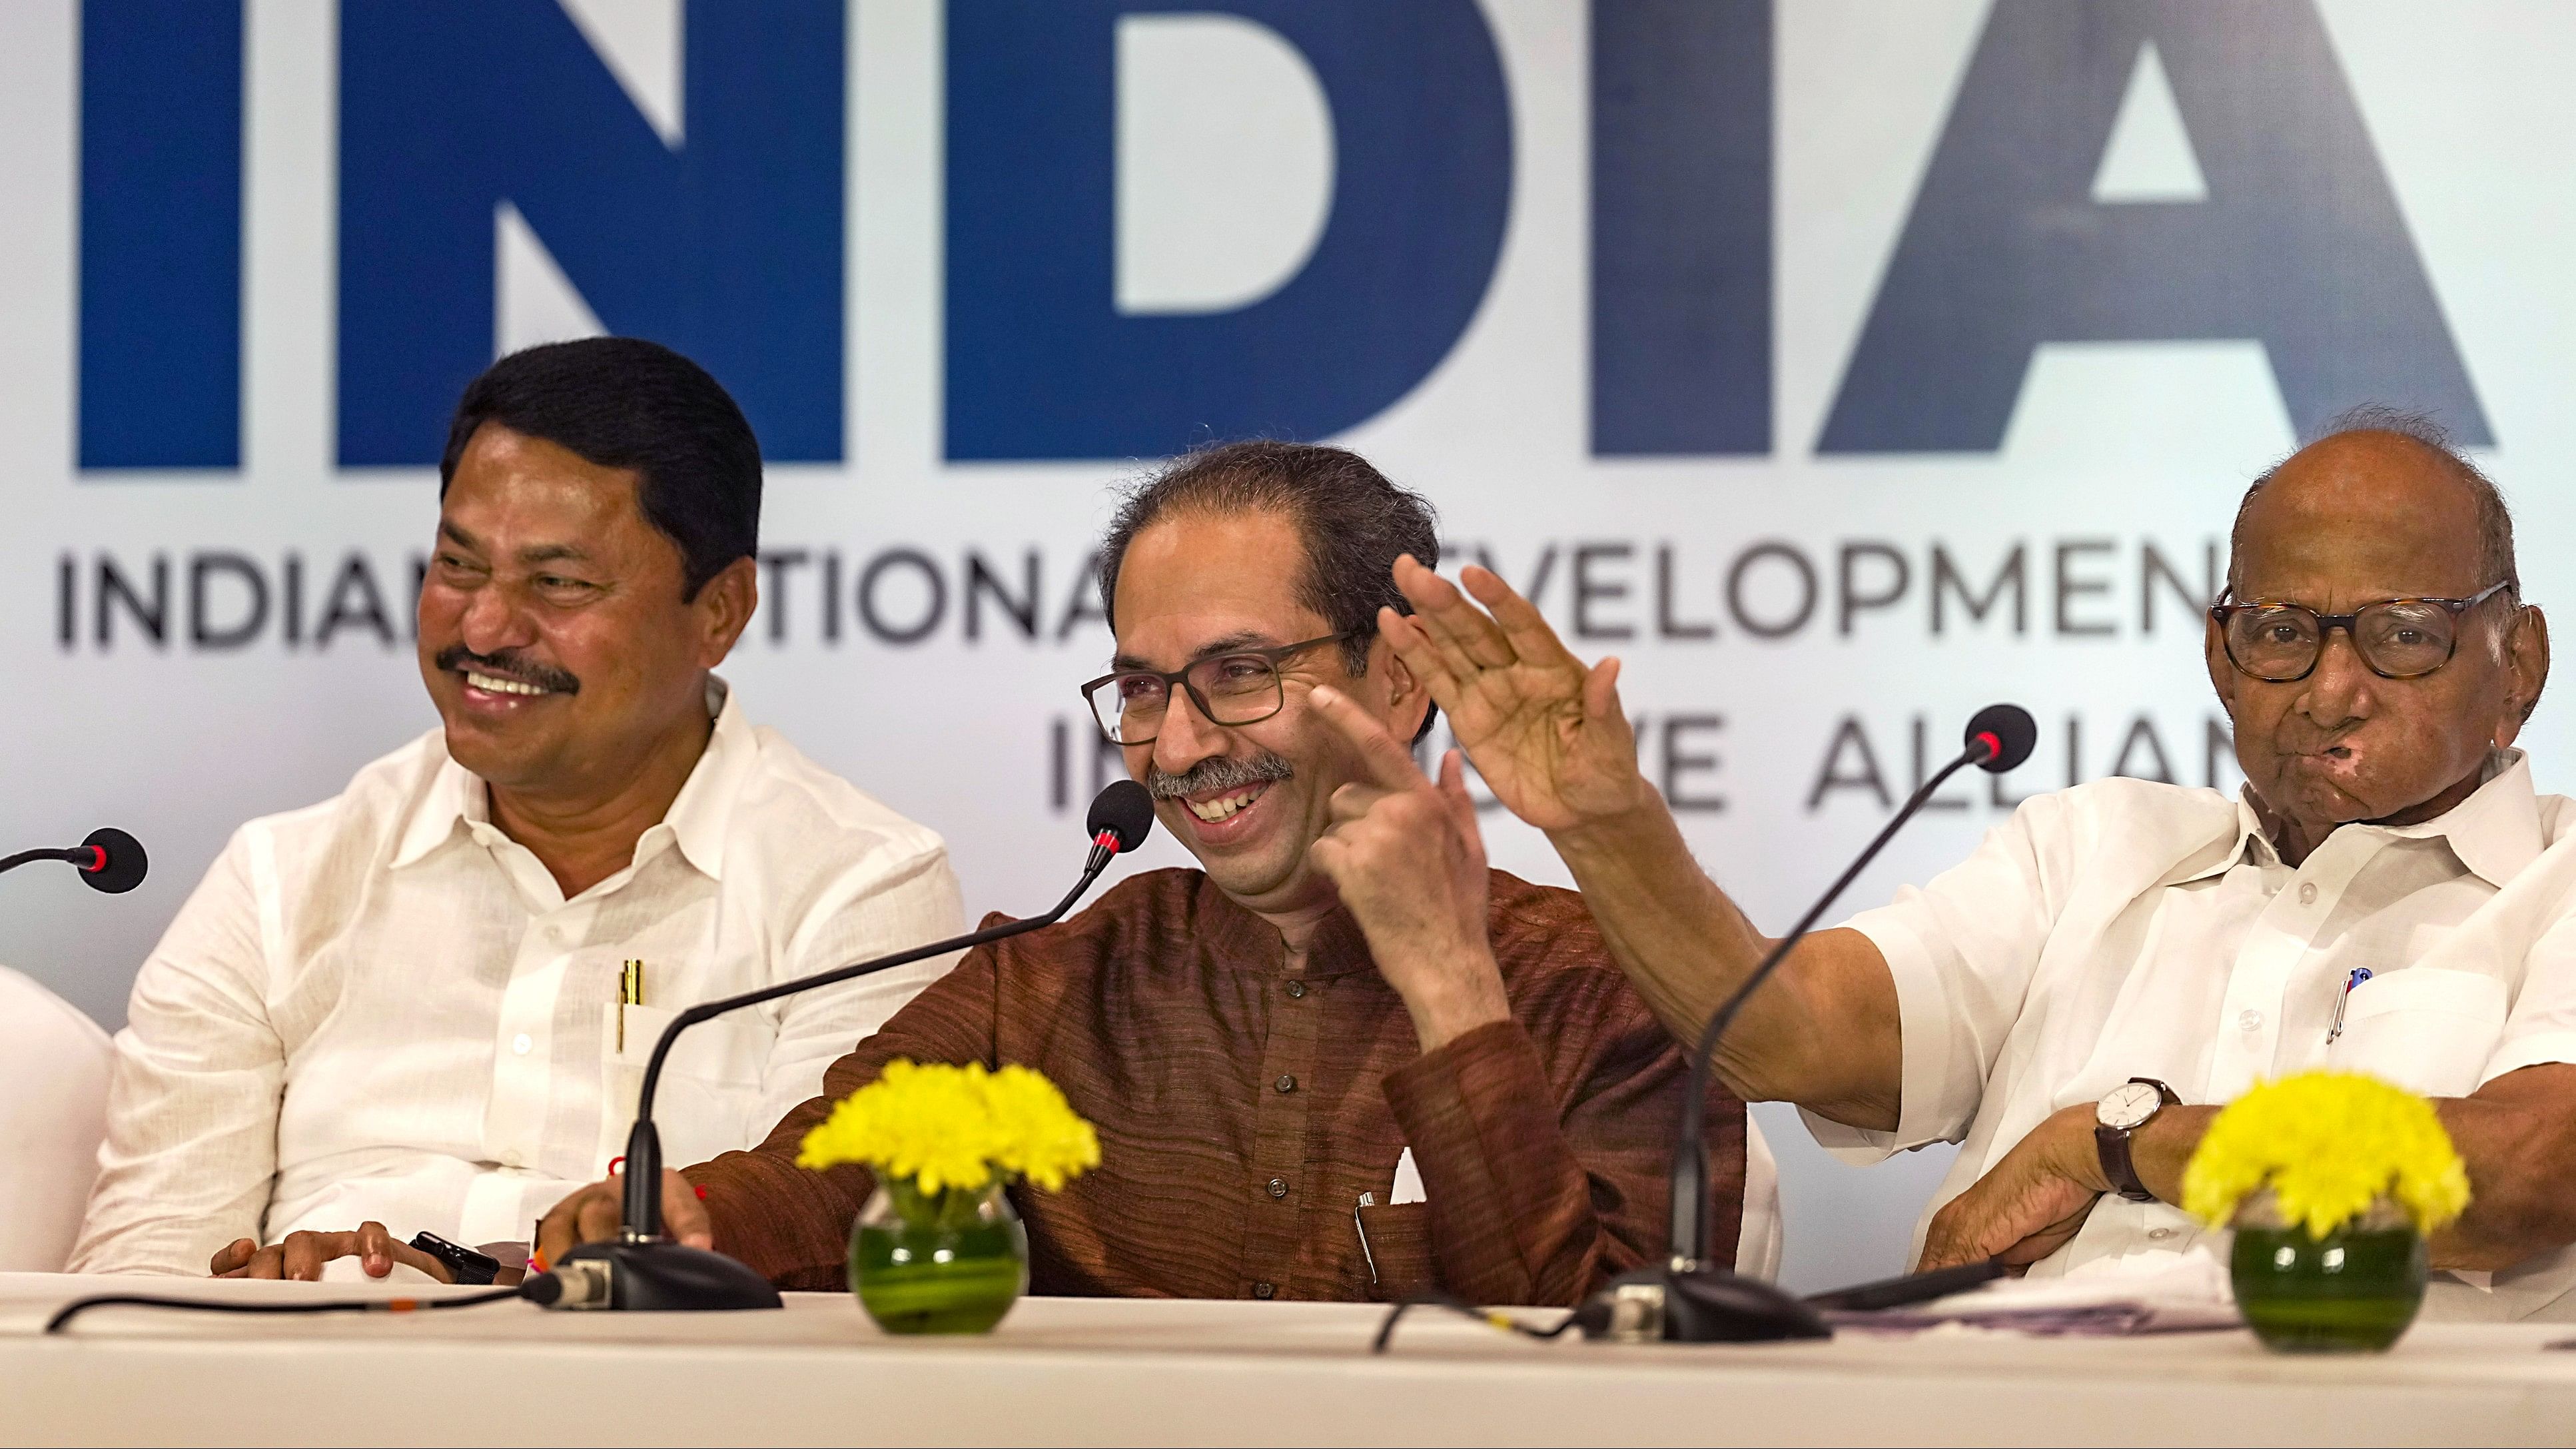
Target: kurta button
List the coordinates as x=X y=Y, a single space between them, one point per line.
x=2308 y=893
x=1296 y=989
x=1264 y=1290
x=1278 y=1187
x=1286 y=1082
x=2250 y=1020
x=519 y=1044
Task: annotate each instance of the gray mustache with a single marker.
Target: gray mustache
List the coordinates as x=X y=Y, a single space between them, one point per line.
x=1218 y=773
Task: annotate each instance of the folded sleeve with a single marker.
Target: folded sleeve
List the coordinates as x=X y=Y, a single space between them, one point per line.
x=1962 y=951
x=792 y=1225
x=2541 y=1026
x=191 y=1147
x=894 y=900
x=1537 y=1193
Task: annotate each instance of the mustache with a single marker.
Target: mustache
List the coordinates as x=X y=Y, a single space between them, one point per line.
x=1218 y=773
x=509 y=664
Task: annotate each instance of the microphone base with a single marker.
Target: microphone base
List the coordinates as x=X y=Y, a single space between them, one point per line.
x=663 y=1276
x=1685 y=1304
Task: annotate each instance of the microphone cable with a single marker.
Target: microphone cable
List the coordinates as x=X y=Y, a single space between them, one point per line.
x=536 y=1288
x=1593 y=1315
x=1490 y=1317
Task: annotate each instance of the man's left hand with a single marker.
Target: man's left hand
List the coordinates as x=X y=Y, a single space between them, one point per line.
x=1410 y=864
x=594 y=1214
x=2029 y=1205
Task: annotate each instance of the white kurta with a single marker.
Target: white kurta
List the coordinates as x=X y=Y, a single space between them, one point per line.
x=383 y=1008
x=2126 y=928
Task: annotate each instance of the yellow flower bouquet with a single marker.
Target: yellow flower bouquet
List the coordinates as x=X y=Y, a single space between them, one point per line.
x=938 y=1248
x=941 y=1127
x=2332 y=1181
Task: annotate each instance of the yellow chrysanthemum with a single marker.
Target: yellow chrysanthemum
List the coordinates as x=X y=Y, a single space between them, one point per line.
x=1037 y=1133
x=943 y=1127
x=2328 y=1144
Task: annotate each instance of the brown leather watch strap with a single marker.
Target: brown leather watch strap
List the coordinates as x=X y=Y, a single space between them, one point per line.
x=2113 y=1145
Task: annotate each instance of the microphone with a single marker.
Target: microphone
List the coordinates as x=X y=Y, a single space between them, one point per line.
x=643 y=1269
x=1120 y=819
x=1686 y=1300
x=109 y=860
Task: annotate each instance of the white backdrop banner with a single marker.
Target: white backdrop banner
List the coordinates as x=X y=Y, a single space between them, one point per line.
x=1842 y=366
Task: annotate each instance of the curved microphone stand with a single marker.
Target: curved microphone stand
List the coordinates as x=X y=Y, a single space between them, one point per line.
x=643 y=1268
x=1688 y=1299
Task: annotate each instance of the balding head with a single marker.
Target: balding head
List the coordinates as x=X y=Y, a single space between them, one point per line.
x=2378 y=442
x=2371 y=513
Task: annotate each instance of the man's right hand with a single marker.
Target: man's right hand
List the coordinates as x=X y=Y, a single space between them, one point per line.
x=301 y=1256
x=1545 y=732
x=594 y=1214
x=1547 y=735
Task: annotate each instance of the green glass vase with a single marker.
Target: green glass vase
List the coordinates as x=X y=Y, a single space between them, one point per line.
x=2355 y=1290
x=946 y=1262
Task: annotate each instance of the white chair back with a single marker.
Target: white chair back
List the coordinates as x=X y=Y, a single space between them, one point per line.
x=54 y=1066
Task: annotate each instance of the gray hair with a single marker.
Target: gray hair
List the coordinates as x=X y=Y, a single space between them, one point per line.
x=2495 y=520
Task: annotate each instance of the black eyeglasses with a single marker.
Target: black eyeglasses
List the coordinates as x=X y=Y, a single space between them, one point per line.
x=2398 y=638
x=1239 y=687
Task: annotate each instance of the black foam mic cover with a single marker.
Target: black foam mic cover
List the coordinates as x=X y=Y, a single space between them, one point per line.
x=1125 y=812
x=2013 y=731
x=121 y=862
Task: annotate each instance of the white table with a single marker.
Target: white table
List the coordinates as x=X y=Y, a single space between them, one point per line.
x=1080 y=1371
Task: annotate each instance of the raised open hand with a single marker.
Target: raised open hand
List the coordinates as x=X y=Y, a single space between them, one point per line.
x=1546 y=733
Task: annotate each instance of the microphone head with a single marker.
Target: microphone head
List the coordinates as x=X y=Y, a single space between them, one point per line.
x=121 y=862
x=1124 y=812
x=2007 y=731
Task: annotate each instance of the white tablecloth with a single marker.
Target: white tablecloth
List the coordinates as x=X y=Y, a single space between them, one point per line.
x=1081 y=1371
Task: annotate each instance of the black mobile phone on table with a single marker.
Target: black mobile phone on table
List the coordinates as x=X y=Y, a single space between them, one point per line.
x=463 y=1264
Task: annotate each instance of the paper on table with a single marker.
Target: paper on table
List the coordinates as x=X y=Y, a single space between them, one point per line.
x=2145 y=1293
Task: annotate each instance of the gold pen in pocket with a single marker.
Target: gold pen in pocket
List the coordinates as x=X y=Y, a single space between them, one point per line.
x=630 y=992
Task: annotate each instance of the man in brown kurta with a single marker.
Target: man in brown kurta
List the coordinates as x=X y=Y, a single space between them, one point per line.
x=1345 y=1060
x=1245 y=1109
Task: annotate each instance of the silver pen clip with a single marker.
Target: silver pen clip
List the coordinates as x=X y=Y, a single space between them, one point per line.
x=2359 y=975
x=1367 y=1199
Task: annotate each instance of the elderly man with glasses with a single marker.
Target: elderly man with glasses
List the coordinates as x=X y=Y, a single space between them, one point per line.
x=1343 y=1060
x=2074 y=1002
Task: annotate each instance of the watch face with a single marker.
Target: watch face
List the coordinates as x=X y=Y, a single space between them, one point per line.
x=2127 y=1106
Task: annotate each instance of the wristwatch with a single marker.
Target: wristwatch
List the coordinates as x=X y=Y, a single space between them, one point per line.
x=2121 y=1112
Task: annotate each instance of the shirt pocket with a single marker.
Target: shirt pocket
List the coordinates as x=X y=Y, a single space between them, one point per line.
x=2423 y=1028
x=710 y=1087
x=1396 y=1237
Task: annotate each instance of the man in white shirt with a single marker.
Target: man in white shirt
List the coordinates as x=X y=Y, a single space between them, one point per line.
x=2387 y=867
x=411 y=1007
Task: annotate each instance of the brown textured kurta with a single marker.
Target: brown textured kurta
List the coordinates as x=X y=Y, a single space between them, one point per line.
x=1243 y=1110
